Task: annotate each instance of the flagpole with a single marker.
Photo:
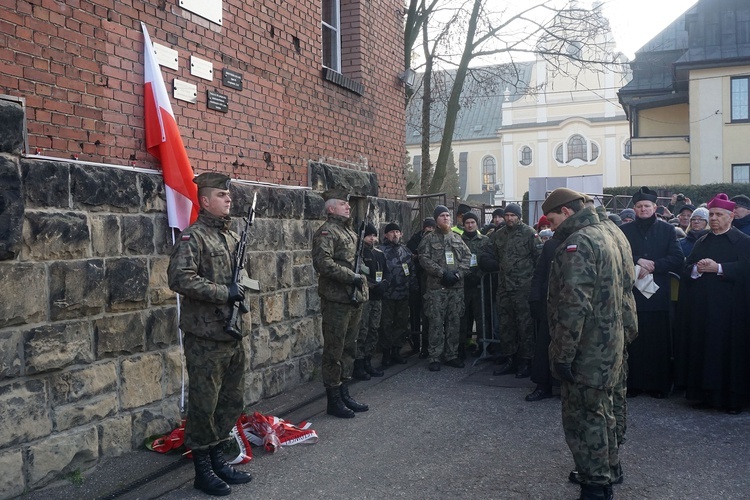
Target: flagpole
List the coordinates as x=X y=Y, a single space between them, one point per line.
x=182 y=348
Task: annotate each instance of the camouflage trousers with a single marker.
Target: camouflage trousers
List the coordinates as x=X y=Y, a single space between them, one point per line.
x=620 y=401
x=443 y=308
x=340 y=329
x=516 y=325
x=589 y=426
x=369 y=328
x=395 y=323
x=474 y=311
x=216 y=372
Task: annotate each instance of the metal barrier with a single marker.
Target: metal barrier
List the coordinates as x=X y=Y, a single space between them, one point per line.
x=488 y=334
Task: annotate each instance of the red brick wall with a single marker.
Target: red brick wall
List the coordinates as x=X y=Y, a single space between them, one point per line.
x=79 y=64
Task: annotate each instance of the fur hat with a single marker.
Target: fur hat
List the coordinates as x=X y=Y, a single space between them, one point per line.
x=721 y=201
x=628 y=213
x=560 y=197
x=391 y=226
x=645 y=194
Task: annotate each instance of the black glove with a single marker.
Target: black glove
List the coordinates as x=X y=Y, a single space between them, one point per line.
x=536 y=309
x=358 y=280
x=564 y=372
x=236 y=293
x=449 y=278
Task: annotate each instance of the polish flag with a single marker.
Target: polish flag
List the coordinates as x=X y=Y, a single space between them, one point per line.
x=163 y=140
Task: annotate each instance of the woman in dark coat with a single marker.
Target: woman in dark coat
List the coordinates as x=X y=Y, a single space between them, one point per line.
x=714 y=310
x=656 y=251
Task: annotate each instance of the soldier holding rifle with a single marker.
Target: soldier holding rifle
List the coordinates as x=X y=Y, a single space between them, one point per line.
x=201 y=269
x=343 y=291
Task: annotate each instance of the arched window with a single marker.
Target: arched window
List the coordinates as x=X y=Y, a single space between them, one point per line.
x=525 y=156
x=577 y=148
x=626 y=150
x=559 y=156
x=489 y=170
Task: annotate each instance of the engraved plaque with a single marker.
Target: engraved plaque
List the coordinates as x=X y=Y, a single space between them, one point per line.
x=211 y=10
x=216 y=101
x=185 y=91
x=201 y=69
x=231 y=79
x=165 y=56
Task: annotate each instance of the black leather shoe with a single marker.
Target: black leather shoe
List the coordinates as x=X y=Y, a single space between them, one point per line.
x=455 y=363
x=538 y=394
x=434 y=366
x=505 y=369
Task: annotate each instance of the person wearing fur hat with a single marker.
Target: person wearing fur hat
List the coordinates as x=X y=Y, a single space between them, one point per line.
x=445 y=259
x=378 y=276
x=403 y=279
x=698 y=227
x=657 y=253
x=741 y=213
x=713 y=303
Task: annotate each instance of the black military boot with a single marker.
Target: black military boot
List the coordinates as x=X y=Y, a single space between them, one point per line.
x=593 y=492
x=350 y=402
x=524 y=369
x=205 y=479
x=359 y=370
x=609 y=492
x=506 y=368
x=387 y=361
x=371 y=370
x=336 y=406
x=414 y=339
x=396 y=356
x=226 y=472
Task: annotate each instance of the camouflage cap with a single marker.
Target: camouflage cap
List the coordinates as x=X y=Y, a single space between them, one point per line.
x=336 y=194
x=212 y=180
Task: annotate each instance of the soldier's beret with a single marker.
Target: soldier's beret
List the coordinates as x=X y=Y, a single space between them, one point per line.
x=645 y=194
x=558 y=198
x=212 y=180
x=336 y=194
x=471 y=215
x=391 y=226
x=742 y=201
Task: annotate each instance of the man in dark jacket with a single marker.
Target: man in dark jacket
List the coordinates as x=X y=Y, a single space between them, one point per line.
x=742 y=213
x=474 y=308
x=657 y=253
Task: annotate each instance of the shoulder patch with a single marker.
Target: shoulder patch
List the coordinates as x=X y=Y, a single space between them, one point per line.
x=571 y=248
x=185 y=237
x=324 y=233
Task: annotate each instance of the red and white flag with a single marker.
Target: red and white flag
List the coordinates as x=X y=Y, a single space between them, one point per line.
x=163 y=140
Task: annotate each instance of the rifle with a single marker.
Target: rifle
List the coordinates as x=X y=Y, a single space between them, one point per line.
x=358 y=258
x=239 y=264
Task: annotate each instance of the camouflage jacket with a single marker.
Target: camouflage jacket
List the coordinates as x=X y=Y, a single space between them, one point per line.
x=400 y=263
x=434 y=250
x=629 y=314
x=476 y=245
x=200 y=269
x=585 y=301
x=514 y=252
x=334 y=248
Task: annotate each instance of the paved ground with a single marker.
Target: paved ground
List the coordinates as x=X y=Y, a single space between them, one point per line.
x=457 y=433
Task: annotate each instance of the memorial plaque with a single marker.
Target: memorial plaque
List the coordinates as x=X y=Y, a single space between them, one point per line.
x=201 y=69
x=165 y=56
x=231 y=79
x=218 y=102
x=184 y=91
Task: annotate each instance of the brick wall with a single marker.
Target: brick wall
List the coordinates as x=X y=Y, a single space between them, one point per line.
x=79 y=65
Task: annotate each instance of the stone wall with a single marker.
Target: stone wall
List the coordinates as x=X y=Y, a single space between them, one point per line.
x=90 y=362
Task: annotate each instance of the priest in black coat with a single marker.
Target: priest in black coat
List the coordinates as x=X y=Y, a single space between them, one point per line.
x=715 y=314
x=655 y=249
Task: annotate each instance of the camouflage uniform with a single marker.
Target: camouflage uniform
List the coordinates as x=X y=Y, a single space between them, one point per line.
x=395 y=322
x=200 y=269
x=586 y=329
x=444 y=305
x=474 y=308
x=333 y=254
x=377 y=280
x=516 y=250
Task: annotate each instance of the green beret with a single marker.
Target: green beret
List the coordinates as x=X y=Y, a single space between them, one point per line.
x=212 y=180
x=336 y=194
x=560 y=197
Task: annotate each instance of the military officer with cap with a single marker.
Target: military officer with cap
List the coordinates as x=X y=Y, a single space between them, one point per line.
x=200 y=269
x=342 y=295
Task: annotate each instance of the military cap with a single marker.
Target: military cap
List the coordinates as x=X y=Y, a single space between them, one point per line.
x=742 y=201
x=391 y=226
x=587 y=198
x=440 y=209
x=513 y=208
x=212 y=180
x=471 y=215
x=558 y=198
x=428 y=222
x=644 y=194
x=336 y=194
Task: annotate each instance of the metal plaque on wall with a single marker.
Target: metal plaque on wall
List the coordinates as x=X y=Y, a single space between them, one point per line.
x=231 y=79
x=201 y=69
x=211 y=10
x=184 y=91
x=218 y=102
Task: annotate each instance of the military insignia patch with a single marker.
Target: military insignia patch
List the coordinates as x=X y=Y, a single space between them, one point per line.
x=571 y=248
x=185 y=237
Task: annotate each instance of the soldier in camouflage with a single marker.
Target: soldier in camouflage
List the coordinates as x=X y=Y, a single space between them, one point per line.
x=585 y=302
x=395 y=323
x=200 y=269
x=474 y=308
x=342 y=294
x=514 y=251
x=445 y=259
